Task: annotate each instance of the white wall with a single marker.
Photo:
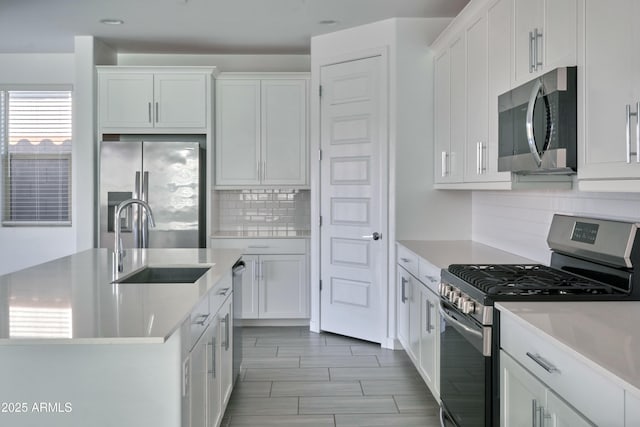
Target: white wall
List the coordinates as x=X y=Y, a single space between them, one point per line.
x=518 y=221
x=21 y=247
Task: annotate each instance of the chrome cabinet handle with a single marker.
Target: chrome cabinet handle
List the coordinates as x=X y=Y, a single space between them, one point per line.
x=201 y=319
x=531 y=39
x=534 y=412
x=405 y=260
x=538 y=59
x=150 y=119
x=157 y=113
x=223 y=291
x=225 y=320
x=212 y=371
x=477 y=158
x=543 y=363
x=403 y=283
x=444 y=169
x=429 y=325
x=629 y=114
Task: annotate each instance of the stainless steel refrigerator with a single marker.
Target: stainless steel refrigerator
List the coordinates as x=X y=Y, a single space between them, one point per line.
x=169 y=176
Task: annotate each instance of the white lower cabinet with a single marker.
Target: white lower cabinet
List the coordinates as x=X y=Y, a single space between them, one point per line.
x=430 y=340
x=275 y=284
x=417 y=315
x=526 y=401
x=207 y=371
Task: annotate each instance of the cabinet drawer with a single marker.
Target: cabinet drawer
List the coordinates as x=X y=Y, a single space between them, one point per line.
x=221 y=292
x=429 y=274
x=408 y=260
x=199 y=320
x=262 y=246
x=600 y=400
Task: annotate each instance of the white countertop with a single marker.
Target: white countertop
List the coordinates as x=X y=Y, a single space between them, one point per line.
x=72 y=299
x=442 y=253
x=603 y=334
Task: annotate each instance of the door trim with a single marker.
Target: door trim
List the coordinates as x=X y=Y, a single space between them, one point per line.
x=387 y=339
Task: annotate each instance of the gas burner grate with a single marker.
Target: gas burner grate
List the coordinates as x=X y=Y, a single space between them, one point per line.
x=526 y=279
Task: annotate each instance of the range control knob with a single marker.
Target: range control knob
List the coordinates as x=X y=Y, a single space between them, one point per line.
x=469 y=306
x=445 y=291
x=460 y=303
x=454 y=296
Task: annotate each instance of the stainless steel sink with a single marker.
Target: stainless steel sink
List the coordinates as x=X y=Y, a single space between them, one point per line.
x=165 y=275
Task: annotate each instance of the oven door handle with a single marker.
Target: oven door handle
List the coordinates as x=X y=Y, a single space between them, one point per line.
x=484 y=334
x=450 y=319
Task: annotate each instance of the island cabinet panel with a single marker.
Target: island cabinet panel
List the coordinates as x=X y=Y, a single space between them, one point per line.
x=102 y=385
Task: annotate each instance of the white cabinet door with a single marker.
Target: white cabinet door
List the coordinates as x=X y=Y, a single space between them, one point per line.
x=250 y=282
x=559 y=414
x=442 y=115
x=631 y=409
x=522 y=396
x=477 y=98
x=415 y=326
x=237 y=132
x=284 y=132
x=180 y=100
x=458 y=109
x=612 y=84
x=430 y=340
x=528 y=16
x=545 y=36
x=204 y=405
x=213 y=375
x=283 y=287
x=225 y=350
x=402 y=328
x=499 y=52
x=126 y=100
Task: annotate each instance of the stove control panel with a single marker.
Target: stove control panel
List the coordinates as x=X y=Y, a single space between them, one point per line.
x=460 y=300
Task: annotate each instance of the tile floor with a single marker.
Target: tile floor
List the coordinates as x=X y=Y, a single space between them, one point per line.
x=293 y=377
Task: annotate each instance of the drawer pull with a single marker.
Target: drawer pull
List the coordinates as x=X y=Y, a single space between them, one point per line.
x=432 y=279
x=405 y=260
x=223 y=291
x=258 y=246
x=201 y=319
x=542 y=362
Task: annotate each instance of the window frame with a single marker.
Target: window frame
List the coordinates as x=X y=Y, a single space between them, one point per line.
x=5 y=158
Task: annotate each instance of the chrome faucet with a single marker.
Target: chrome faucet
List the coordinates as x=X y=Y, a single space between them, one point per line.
x=118 y=252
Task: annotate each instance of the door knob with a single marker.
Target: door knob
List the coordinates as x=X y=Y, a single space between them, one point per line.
x=374 y=236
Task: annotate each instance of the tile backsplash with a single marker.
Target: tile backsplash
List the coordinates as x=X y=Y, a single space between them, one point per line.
x=518 y=221
x=258 y=210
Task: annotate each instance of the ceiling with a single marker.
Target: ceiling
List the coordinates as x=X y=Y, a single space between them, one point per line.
x=196 y=26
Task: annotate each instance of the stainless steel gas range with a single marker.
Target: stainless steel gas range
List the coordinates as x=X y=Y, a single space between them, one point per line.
x=592 y=259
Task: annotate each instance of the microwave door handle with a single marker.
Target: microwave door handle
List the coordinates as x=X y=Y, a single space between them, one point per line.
x=537 y=87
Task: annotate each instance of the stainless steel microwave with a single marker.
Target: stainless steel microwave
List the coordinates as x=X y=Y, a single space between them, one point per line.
x=538 y=125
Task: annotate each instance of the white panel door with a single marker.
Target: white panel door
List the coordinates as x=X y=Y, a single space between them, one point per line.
x=559 y=414
x=237 y=132
x=284 y=132
x=180 y=100
x=528 y=16
x=429 y=339
x=402 y=307
x=353 y=199
x=225 y=350
x=458 y=109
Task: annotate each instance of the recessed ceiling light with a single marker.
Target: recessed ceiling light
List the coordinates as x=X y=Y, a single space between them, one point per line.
x=329 y=22
x=110 y=21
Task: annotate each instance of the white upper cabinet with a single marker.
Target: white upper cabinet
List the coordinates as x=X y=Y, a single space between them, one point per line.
x=610 y=59
x=146 y=99
x=545 y=36
x=474 y=63
x=477 y=97
x=261 y=131
x=450 y=112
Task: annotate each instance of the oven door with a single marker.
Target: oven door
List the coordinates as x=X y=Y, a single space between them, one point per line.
x=465 y=370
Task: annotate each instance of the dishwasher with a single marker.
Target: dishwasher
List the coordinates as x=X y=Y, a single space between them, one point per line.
x=237 y=270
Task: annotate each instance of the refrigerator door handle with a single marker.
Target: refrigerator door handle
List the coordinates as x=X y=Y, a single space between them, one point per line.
x=137 y=219
x=145 y=197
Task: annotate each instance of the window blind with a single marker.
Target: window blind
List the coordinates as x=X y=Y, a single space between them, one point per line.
x=36 y=149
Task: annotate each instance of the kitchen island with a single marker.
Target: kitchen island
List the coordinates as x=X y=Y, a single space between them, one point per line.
x=78 y=350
